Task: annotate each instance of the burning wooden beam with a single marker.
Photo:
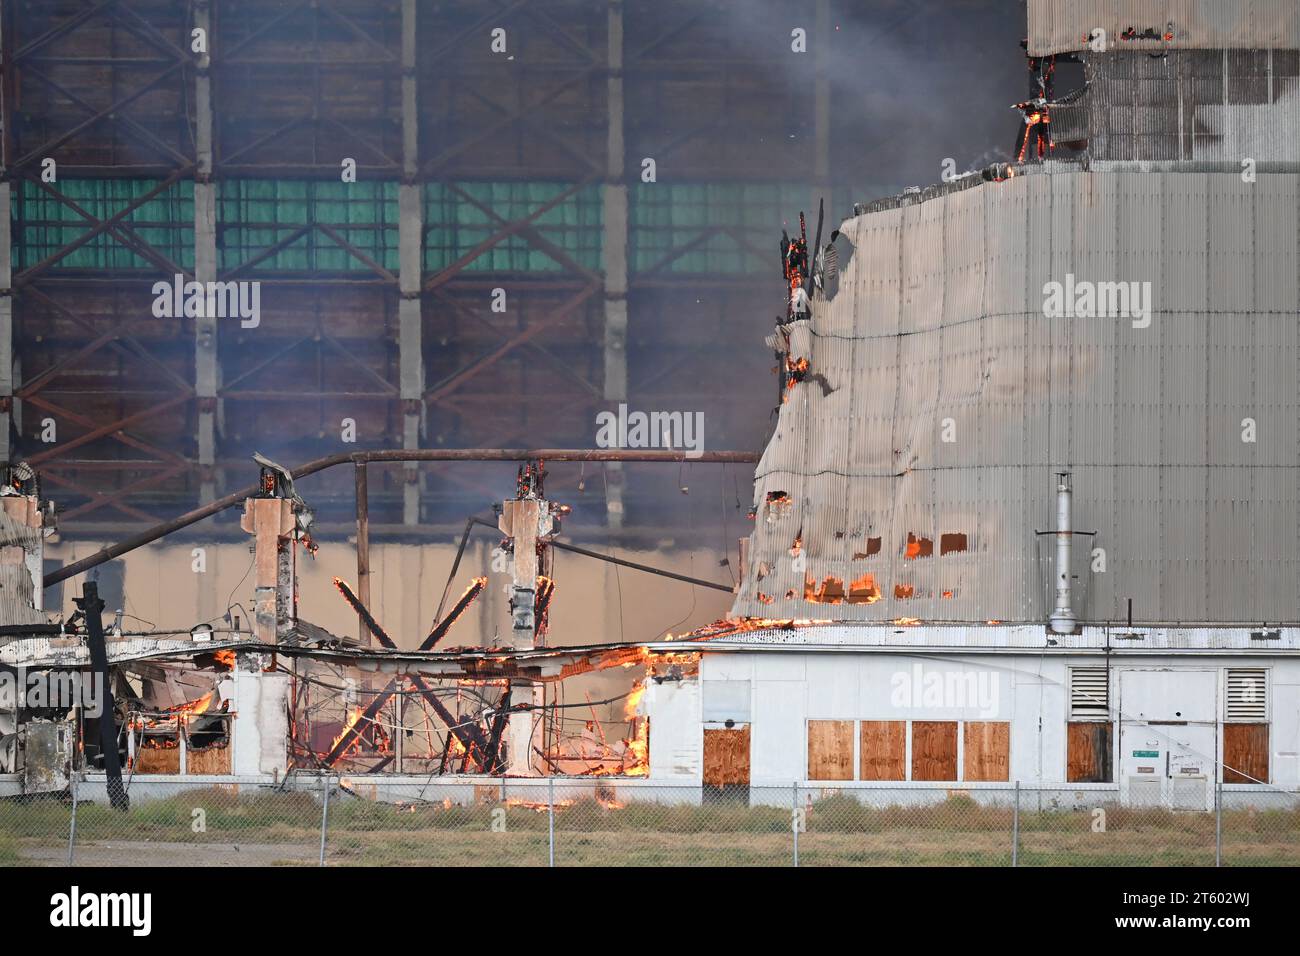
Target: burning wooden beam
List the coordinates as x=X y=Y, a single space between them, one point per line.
x=359 y=725
x=440 y=629
x=364 y=613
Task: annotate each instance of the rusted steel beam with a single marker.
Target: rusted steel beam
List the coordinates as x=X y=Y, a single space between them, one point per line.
x=534 y=329
x=110 y=429
x=396 y=455
x=27 y=275
x=505 y=232
x=625 y=563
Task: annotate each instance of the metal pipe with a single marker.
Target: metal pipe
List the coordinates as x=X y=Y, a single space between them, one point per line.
x=72 y=826
x=363 y=552
x=624 y=563
x=1015 y=829
x=550 y=817
x=150 y=535
x=1062 y=620
x=324 y=816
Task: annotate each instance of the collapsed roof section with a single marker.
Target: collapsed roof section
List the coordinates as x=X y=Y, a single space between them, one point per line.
x=1060 y=26
x=912 y=482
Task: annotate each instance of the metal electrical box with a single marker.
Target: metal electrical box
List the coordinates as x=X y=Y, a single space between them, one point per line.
x=47 y=756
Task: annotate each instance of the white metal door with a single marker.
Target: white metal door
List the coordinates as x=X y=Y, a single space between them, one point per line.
x=1168 y=737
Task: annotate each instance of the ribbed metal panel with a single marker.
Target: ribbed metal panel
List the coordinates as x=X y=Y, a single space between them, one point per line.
x=17 y=592
x=937 y=332
x=1057 y=26
x=1202 y=105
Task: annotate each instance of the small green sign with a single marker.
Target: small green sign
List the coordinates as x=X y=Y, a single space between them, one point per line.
x=1152 y=754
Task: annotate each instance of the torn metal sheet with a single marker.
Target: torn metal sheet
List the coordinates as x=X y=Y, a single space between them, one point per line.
x=20 y=562
x=956 y=399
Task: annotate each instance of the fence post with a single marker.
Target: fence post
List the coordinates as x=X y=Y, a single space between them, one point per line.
x=324 y=816
x=1218 y=823
x=1015 y=829
x=72 y=828
x=550 y=816
x=794 y=818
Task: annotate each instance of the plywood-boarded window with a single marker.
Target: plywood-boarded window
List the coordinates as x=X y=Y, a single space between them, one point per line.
x=830 y=750
x=1088 y=752
x=883 y=750
x=934 y=750
x=1245 y=753
x=987 y=750
x=726 y=757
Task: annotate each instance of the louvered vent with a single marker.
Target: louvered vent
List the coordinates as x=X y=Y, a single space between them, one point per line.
x=1247 y=694
x=1089 y=693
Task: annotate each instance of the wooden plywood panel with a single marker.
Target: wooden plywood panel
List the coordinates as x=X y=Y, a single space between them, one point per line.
x=934 y=750
x=158 y=760
x=987 y=754
x=1088 y=752
x=830 y=750
x=209 y=760
x=883 y=750
x=726 y=757
x=1245 y=753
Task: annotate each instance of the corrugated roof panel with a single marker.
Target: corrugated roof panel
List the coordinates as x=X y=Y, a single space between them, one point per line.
x=1194 y=521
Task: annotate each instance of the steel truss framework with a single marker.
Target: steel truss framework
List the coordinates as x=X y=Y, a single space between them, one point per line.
x=151 y=414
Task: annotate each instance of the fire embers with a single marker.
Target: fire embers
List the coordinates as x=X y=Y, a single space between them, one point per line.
x=862 y=590
x=596 y=753
x=779 y=504
x=372 y=735
x=794 y=266
x=201 y=727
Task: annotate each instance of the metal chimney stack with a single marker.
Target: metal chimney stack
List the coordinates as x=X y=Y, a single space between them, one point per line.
x=1062 y=619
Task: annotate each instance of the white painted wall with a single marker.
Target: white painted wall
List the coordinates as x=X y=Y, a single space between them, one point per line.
x=790 y=688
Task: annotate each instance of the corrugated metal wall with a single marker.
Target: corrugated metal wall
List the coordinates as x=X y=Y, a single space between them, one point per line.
x=1207 y=105
x=938 y=325
x=1056 y=26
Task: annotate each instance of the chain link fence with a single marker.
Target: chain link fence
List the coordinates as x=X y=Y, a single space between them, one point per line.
x=371 y=821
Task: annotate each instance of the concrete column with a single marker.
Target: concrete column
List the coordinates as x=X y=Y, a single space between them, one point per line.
x=271 y=521
x=615 y=200
x=206 y=372
x=410 y=234
x=6 y=323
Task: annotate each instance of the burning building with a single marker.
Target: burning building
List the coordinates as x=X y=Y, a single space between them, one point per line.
x=1029 y=512
x=1043 y=516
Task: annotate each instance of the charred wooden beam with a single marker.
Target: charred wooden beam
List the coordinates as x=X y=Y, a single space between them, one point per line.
x=92 y=607
x=359 y=726
x=440 y=629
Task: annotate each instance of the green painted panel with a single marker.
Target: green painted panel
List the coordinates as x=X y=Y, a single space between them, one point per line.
x=455 y=226
x=255 y=215
x=45 y=224
x=666 y=217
